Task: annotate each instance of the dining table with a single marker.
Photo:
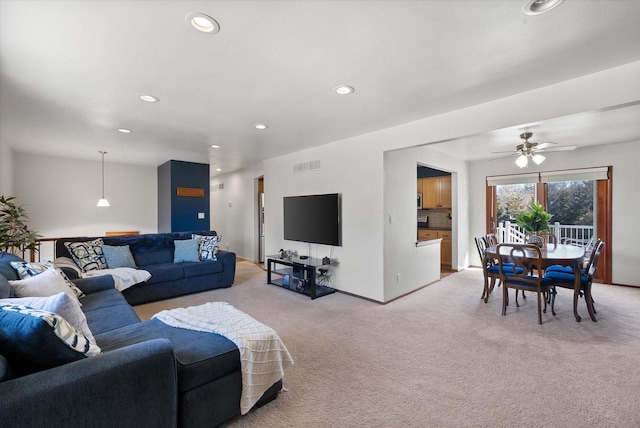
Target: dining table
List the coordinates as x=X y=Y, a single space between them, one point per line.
x=563 y=255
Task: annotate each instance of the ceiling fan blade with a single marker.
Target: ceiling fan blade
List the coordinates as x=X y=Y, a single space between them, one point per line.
x=558 y=149
x=545 y=145
x=500 y=157
x=506 y=151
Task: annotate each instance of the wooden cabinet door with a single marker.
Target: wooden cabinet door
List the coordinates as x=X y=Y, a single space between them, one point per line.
x=444 y=187
x=445 y=252
x=419 y=187
x=430 y=192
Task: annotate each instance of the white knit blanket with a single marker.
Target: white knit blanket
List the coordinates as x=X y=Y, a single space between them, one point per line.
x=263 y=356
x=123 y=277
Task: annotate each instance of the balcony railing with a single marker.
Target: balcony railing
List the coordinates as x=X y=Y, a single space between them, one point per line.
x=566 y=233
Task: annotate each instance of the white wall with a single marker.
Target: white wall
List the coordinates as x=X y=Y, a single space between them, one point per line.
x=349 y=169
x=60 y=195
x=625 y=159
x=418 y=266
x=234 y=211
x=6 y=170
x=355 y=167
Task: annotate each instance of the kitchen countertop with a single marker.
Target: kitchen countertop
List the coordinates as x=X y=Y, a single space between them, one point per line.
x=435 y=228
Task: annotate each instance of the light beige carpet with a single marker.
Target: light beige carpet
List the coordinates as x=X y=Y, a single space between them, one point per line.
x=441 y=357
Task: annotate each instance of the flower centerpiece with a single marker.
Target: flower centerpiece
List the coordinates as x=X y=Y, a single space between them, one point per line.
x=533 y=222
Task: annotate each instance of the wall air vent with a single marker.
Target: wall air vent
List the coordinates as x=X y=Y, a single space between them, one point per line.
x=307 y=166
x=216 y=187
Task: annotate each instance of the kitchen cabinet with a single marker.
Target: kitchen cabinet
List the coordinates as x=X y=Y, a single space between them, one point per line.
x=445 y=245
x=436 y=192
x=424 y=234
x=445 y=248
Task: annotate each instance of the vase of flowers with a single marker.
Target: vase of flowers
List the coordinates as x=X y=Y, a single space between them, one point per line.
x=533 y=222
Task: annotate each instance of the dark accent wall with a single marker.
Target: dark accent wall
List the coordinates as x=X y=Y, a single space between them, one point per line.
x=180 y=213
x=425 y=172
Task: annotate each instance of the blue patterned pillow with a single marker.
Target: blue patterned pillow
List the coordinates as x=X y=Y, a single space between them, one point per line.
x=87 y=255
x=208 y=246
x=34 y=340
x=30 y=269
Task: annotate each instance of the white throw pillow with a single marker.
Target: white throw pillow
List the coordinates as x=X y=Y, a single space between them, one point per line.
x=46 y=284
x=60 y=304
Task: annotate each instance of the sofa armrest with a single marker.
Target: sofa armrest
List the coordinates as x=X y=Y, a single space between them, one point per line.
x=229 y=260
x=131 y=386
x=94 y=284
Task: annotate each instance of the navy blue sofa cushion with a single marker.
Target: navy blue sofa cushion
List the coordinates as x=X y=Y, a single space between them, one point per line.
x=202 y=268
x=5 y=266
x=107 y=310
x=202 y=357
x=163 y=272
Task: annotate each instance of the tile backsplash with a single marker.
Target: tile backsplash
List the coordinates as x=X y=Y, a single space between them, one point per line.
x=437 y=217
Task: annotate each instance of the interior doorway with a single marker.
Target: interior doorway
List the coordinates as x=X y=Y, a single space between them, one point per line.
x=260 y=228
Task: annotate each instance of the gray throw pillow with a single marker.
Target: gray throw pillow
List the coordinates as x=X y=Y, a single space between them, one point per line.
x=118 y=256
x=186 y=250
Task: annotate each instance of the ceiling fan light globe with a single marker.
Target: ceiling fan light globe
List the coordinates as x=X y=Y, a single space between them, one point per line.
x=521 y=161
x=538 y=159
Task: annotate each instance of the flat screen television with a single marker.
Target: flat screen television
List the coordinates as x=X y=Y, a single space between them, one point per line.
x=313 y=218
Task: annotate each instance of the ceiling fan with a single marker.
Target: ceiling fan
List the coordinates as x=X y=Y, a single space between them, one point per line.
x=531 y=150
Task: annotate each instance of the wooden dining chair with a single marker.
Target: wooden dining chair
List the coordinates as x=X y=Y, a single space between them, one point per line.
x=489 y=268
x=519 y=276
x=548 y=239
x=564 y=277
x=491 y=239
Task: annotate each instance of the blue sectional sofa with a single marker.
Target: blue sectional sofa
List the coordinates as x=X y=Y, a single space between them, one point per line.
x=148 y=374
x=154 y=253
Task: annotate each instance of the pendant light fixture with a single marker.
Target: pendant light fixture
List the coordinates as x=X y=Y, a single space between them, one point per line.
x=103 y=202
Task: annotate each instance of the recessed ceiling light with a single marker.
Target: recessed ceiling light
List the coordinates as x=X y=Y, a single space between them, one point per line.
x=344 y=90
x=215 y=146
x=203 y=23
x=124 y=130
x=536 y=7
x=218 y=169
x=260 y=126
x=149 y=98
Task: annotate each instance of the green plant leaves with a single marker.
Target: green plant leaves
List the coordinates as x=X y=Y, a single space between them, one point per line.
x=536 y=220
x=15 y=234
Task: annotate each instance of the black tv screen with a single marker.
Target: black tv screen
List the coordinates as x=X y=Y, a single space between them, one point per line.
x=313 y=218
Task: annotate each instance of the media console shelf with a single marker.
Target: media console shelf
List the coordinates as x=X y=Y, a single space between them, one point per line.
x=298 y=275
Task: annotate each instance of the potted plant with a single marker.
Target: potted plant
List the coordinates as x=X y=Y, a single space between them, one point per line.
x=15 y=235
x=533 y=222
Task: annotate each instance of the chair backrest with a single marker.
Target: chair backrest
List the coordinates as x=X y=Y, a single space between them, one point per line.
x=595 y=257
x=548 y=238
x=481 y=245
x=523 y=256
x=491 y=239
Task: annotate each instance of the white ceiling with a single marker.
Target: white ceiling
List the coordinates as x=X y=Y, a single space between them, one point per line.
x=71 y=71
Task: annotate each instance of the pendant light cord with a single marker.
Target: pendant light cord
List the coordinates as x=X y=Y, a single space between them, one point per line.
x=103 y=153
